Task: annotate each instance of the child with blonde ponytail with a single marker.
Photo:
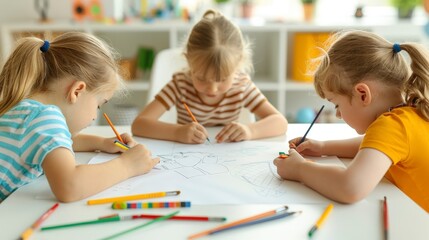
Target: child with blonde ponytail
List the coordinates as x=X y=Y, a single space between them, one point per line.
x=49 y=92
x=379 y=94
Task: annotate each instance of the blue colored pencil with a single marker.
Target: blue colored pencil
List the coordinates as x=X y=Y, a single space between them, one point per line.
x=262 y=220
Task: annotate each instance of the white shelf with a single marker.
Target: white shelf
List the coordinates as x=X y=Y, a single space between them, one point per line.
x=271 y=43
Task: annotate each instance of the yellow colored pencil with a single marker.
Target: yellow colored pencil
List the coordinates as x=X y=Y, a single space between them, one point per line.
x=321 y=219
x=121 y=145
x=132 y=197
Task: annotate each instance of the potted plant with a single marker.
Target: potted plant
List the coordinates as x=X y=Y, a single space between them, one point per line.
x=405 y=7
x=308 y=6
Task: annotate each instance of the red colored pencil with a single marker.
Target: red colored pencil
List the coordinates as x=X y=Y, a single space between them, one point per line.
x=27 y=233
x=385 y=219
x=188 y=218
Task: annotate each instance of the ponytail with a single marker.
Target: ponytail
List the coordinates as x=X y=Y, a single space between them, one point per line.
x=22 y=74
x=36 y=64
x=417 y=85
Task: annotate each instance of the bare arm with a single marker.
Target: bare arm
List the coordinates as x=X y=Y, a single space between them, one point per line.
x=346 y=185
x=87 y=143
x=147 y=125
x=272 y=122
x=347 y=148
x=70 y=182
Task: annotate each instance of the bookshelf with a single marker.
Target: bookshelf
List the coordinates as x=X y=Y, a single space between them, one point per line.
x=273 y=45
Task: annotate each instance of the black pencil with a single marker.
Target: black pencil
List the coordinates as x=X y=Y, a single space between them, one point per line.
x=311 y=125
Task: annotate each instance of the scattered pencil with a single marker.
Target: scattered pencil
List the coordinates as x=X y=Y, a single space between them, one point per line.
x=137 y=205
x=133 y=197
x=321 y=220
x=29 y=231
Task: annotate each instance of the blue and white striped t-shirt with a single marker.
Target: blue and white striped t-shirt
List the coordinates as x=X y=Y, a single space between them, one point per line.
x=28 y=132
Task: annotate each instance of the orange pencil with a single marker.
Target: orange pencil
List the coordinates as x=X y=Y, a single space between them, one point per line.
x=113 y=128
x=240 y=221
x=192 y=116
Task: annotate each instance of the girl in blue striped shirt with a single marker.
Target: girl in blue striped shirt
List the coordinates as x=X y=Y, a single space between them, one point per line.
x=49 y=92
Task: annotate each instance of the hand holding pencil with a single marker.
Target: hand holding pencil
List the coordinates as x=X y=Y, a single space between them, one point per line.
x=192 y=132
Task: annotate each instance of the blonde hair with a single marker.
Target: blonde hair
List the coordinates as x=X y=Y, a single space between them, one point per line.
x=355 y=56
x=71 y=55
x=217 y=45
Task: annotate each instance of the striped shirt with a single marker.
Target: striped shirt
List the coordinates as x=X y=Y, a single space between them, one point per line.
x=28 y=132
x=243 y=93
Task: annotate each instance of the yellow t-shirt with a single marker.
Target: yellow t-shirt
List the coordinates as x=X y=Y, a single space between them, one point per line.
x=403 y=135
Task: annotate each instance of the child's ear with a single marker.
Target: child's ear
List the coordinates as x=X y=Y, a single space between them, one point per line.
x=75 y=91
x=363 y=92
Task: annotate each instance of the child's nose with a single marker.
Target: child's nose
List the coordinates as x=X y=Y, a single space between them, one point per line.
x=212 y=88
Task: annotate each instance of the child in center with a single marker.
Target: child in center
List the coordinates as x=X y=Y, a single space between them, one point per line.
x=215 y=88
x=377 y=93
x=49 y=92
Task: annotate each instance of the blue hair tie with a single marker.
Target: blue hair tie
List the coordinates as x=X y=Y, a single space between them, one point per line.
x=45 y=46
x=396 y=48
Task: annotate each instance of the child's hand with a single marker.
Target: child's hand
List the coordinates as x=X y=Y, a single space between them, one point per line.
x=138 y=160
x=234 y=132
x=288 y=168
x=192 y=133
x=309 y=147
x=109 y=145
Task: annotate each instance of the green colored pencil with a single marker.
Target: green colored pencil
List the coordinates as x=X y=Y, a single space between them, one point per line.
x=101 y=220
x=141 y=226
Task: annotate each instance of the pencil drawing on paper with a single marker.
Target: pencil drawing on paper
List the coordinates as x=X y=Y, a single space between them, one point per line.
x=260 y=177
x=194 y=164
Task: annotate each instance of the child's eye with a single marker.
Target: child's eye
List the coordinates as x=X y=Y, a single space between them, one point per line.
x=336 y=106
x=98 y=107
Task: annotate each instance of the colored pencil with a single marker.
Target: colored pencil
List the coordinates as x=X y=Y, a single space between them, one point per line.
x=237 y=222
x=311 y=125
x=385 y=219
x=27 y=233
x=118 y=136
x=262 y=220
x=321 y=219
x=137 y=205
x=132 y=197
x=192 y=116
x=116 y=218
x=141 y=226
x=121 y=145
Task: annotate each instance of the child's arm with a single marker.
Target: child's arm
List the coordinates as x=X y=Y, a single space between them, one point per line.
x=272 y=123
x=346 y=185
x=70 y=182
x=90 y=143
x=147 y=125
x=341 y=148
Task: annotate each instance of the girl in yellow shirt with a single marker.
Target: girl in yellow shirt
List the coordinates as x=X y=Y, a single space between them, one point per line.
x=380 y=95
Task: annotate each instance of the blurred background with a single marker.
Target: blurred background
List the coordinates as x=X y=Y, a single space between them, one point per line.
x=285 y=36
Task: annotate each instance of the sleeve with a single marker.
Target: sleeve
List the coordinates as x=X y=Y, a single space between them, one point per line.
x=253 y=97
x=388 y=135
x=168 y=94
x=47 y=132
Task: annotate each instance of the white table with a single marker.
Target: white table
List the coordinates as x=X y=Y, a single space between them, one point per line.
x=362 y=220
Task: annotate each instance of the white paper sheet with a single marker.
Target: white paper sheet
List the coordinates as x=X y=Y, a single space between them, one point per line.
x=226 y=173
